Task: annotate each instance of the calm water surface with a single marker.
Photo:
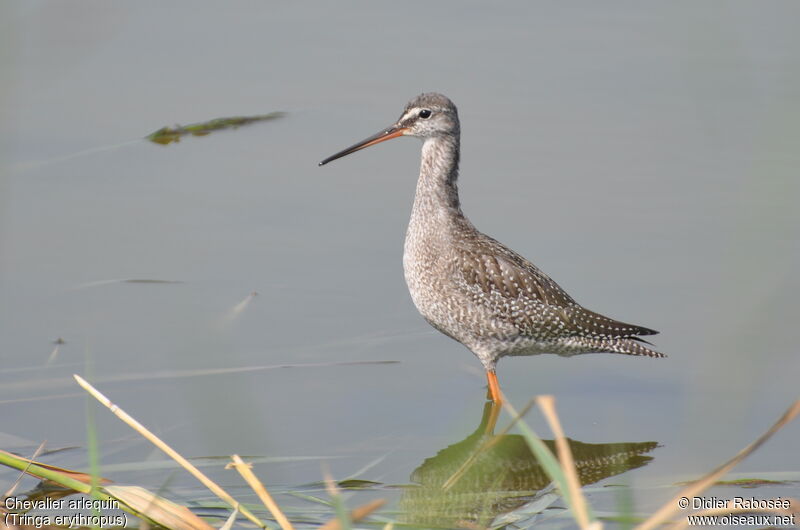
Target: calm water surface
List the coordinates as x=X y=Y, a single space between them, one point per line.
x=645 y=158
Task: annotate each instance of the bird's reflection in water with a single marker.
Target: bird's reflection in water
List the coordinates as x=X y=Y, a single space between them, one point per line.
x=470 y=484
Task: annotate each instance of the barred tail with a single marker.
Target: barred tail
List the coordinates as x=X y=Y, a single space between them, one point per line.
x=626 y=346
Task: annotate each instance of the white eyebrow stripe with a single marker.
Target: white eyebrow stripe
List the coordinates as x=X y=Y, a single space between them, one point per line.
x=410 y=113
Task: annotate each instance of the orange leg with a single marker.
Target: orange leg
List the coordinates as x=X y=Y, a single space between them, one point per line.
x=494 y=387
x=494 y=414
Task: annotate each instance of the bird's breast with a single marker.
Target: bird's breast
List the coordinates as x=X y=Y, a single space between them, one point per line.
x=425 y=265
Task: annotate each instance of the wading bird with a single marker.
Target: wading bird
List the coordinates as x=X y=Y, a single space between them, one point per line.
x=473 y=288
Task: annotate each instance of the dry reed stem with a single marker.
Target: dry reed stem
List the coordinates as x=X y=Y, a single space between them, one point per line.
x=356 y=514
x=246 y=471
x=583 y=515
x=229 y=522
x=488 y=444
x=157 y=509
x=22 y=472
x=155 y=440
x=547 y=405
x=697 y=487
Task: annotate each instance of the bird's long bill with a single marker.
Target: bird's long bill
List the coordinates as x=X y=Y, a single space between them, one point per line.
x=387 y=134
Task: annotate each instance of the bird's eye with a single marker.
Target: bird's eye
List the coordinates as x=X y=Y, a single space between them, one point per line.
x=425 y=113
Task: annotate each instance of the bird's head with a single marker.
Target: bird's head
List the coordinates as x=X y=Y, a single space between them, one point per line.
x=428 y=115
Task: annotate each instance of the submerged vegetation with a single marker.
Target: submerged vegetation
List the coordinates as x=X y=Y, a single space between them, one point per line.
x=487 y=480
x=167 y=135
x=471 y=484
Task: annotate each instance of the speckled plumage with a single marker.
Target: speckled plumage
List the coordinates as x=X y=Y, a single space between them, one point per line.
x=471 y=287
x=478 y=291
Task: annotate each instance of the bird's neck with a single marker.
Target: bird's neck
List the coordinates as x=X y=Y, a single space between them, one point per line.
x=437 y=191
x=435 y=217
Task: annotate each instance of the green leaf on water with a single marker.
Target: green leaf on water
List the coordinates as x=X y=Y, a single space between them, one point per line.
x=355 y=484
x=750 y=482
x=167 y=135
x=745 y=482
